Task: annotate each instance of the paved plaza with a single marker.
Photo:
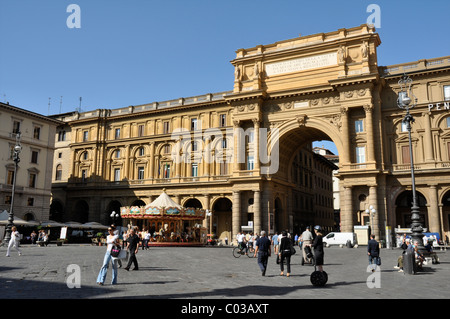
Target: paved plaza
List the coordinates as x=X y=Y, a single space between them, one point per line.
x=211 y=273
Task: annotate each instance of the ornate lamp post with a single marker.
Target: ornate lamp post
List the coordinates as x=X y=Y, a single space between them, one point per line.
x=16 y=159
x=406 y=101
x=114 y=216
x=371 y=211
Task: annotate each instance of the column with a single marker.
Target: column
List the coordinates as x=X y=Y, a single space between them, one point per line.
x=236 y=216
x=433 y=211
x=207 y=223
x=370 y=136
x=257 y=211
x=373 y=200
x=256 y=126
x=428 y=139
x=151 y=173
x=347 y=210
x=345 y=136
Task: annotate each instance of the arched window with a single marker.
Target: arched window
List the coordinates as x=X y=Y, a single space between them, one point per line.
x=58 y=173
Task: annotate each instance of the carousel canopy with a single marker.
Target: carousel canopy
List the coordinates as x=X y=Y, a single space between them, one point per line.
x=164 y=207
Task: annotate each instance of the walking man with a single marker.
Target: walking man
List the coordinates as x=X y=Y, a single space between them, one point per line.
x=307 y=239
x=133 y=247
x=262 y=250
x=373 y=251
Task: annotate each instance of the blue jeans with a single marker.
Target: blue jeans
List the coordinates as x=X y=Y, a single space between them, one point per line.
x=103 y=271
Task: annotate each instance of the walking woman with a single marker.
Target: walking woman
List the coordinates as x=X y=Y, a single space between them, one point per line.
x=284 y=251
x=110 y=240
x=14 y=241
x=318 y=247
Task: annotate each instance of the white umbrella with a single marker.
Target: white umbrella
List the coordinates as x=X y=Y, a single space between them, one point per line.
x=95 y=225
x=17 y=221
x=52 y=223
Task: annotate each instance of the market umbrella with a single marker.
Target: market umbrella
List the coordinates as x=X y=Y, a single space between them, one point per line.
x=52 y=223
x=95 y=225
x=76 y=225
x=17 y=221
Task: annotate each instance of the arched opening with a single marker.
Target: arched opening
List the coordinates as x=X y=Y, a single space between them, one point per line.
x=56 y=211
x=193 y=203
x=222 y=221
x=81 y=212
x=403 y=205
x=114 y=206
x=446 y=216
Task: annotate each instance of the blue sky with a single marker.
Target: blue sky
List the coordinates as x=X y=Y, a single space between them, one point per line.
x=140 y=51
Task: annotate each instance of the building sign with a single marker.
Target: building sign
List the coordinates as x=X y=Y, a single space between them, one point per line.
x=301 y=64
x=439 y=106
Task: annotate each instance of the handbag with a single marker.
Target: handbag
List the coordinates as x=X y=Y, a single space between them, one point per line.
x=293 y=251
x=115 y=251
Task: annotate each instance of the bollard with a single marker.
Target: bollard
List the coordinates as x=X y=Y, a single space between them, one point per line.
x=409 y=262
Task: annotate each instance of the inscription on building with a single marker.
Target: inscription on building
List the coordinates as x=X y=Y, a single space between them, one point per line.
x=301 y=64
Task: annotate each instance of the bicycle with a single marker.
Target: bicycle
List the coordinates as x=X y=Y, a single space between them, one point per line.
x=239 y=251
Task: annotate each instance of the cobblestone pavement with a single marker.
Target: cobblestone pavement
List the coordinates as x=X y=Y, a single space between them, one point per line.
x=212 y=273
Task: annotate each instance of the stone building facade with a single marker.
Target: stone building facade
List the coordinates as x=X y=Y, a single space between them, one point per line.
x=236 y=153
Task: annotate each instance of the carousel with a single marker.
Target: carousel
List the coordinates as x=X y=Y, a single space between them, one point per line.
x=168 y=222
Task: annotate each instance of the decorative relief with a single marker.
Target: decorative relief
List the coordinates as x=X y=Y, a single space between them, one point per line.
x=337 y=121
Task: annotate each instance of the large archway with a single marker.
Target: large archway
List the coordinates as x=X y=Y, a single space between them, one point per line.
x=56 y=211
x=446 y=216
x=81 y=212
x=222 y=218
x=403 y=205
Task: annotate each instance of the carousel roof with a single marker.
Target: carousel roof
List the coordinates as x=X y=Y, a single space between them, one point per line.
x=165 y=201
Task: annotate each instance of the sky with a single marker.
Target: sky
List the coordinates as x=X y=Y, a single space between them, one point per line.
x=115 y=53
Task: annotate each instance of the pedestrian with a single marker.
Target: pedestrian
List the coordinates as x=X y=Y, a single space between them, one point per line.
x=306 y=238
x=111 y=240
x=373 y=251
x=146 y=240
x=284 y=252
x=14 y=242
x=262 y=251
x=117 y=233
x=133 y=248
x=275 y=243
x=33 y=237
x=318 y=247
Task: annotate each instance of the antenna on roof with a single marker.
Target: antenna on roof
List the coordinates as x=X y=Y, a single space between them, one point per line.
x=60 y=105
x=48 y=113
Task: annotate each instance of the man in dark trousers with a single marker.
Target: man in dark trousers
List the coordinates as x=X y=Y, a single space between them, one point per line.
x=373 y=250
x=262 y=250
x=133 y=247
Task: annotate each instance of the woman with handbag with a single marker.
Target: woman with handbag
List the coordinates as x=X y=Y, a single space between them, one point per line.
x=111 y=240
x=285 y=252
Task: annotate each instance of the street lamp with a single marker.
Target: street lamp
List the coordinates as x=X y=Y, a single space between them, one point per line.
x=16 y=159
x=371 y=211
x=406 y=101
x=114 y=216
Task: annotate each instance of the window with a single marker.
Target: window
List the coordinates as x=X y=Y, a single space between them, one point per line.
x=58 y=173
x=223 y=120
x=141 y=130
x=224 y=143
x=34 y=157
x=32 y=180
x=250 y=163
x=448 y=121
x=141 y=151
x=8 y=199
x=193 y=124
x=83 y=175
x=85 y=136
x=446 y=92
x=250 y=136
x=406 y=158
x=223 y=168
x=166 y=127
x=404 y=126
x=16 y=127
x=166 y=170
x=359 y=126
x=166 y=149
x=194 y=146
x=85 y=156
x=117 y=154
x=117 y=133
x=140 y=172
x=194 y=170
x=117 y=174
x=30 y=201
x=360 y=154
x=59 y=155
x=10 y=177
x=61 y=136
x=37 y=132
